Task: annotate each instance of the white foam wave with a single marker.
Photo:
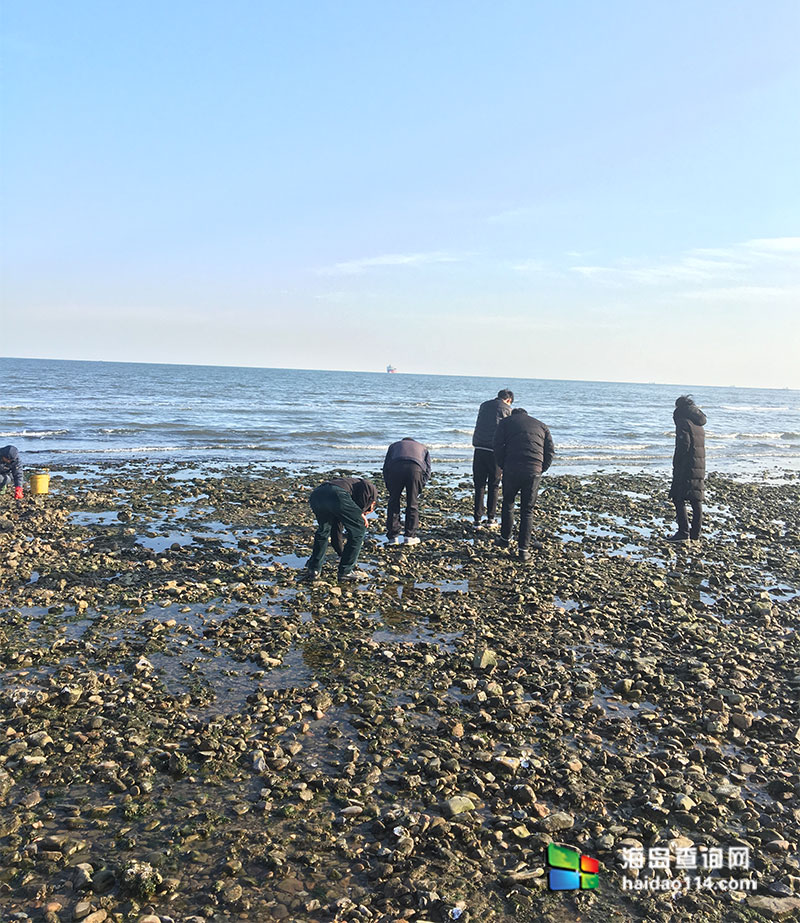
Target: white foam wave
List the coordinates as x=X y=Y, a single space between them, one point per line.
x=745 y=435
x=34 y=434
x=753 y=408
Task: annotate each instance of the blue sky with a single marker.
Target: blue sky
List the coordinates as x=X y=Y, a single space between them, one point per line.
x=574 y=190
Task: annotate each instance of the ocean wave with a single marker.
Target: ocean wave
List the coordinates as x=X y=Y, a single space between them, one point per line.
x=610 y=458
x=754 y=408
x=715 y=436
x=609 y=447
x=12 y=407
x=34 y=434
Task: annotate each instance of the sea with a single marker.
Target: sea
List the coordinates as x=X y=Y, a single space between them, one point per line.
x=62 y=413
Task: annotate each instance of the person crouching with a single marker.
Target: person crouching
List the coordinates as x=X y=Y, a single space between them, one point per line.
x=11 y=470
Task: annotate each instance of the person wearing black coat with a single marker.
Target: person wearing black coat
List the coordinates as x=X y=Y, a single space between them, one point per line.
x=11 y=470
x=407 y=467
x=523 y=448
x=340 y=506
x=688 y=467
x=485 y=469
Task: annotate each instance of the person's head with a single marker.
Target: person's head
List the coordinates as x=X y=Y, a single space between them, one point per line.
x=365 y=495
x=518 y=410
x=506 y=395
x=8 y=453
x=684 y=402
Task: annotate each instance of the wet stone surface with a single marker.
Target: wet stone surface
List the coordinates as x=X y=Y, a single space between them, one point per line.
x=189 y=732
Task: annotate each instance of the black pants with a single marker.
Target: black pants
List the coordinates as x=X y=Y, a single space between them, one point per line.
x=408 y=476
x=527 y=486
x=334 y=509
x=683 y=519
x=485 y=471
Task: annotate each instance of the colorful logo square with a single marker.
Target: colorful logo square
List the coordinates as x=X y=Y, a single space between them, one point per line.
x=569 y=870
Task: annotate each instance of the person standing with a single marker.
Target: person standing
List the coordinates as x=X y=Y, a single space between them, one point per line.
x=340 y=506
x=485 y=470
x=11 y=470
x=688 y=467
x=407 y=467
x=523 y=448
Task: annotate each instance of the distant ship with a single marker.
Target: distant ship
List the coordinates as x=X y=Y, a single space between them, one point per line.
x=390 y=368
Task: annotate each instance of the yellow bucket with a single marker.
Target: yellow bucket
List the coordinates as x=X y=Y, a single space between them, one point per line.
x=40 y=482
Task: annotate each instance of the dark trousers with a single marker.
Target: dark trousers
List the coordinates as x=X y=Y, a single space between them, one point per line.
x=334 y=509
x=683 y=519
x=527 y=486
x=400 y=476
x=485 y=471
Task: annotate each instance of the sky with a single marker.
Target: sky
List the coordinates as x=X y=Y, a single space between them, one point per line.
x=601 y=191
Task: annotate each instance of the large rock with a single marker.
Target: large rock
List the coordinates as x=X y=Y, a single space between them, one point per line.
x=775 y=908
x=485 y=660
x=558 y=821
x=458 y=804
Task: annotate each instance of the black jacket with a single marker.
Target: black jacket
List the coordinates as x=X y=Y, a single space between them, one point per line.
x=523 y=444
x=689 y=460
x=490 y=413
x=408 y=450
x=11 y=467
x=363 y=492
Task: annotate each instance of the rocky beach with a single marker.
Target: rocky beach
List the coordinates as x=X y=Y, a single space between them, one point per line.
x=188 y=732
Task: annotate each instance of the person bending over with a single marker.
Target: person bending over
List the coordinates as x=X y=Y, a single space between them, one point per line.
x=407 y=466
x=340 y=506
x=524 y=450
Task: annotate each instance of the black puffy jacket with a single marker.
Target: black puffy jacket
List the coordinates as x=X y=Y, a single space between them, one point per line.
x=490 y=413
x=689 y=460
x=523 y=444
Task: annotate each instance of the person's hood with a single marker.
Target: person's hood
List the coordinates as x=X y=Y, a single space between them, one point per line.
x=686 y=409
x=10 y=452
x=365 y=493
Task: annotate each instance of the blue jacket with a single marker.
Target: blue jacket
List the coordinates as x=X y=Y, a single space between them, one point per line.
x=9 y=464
x=409 y=450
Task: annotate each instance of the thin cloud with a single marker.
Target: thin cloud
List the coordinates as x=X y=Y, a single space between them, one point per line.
x=739 y=265
x=360 y=266
x=775 y=244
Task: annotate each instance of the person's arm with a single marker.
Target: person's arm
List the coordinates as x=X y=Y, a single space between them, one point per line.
x=683 y=445
x=427 y=465
x=337 y=537
x=499 y=445
x=549 y=450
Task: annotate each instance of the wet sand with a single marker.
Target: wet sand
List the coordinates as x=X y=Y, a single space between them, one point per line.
x=187 y=732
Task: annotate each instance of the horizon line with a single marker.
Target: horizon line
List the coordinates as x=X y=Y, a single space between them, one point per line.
x=277 y=368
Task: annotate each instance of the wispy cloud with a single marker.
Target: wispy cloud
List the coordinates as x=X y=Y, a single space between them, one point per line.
x=754 y=263
x=775 y=245
x=359 y=266
x=529 y=266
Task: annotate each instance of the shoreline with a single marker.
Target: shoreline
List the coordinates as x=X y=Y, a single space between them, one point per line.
x=189 y=732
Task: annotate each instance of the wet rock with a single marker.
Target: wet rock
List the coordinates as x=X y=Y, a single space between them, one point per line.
x=558 y=821
x=458 y=804
x=775 y=908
